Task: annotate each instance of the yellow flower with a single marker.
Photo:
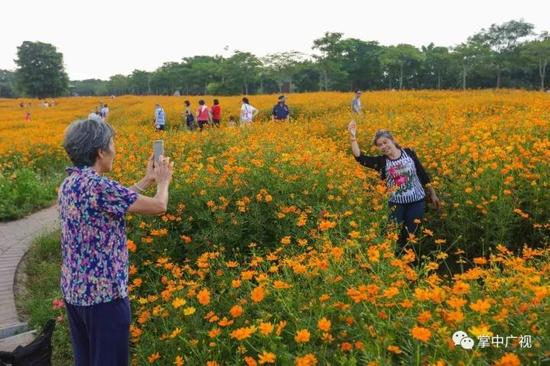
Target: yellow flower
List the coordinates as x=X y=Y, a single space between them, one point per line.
x=481 y=330
x=189 y=310
x=178 y=302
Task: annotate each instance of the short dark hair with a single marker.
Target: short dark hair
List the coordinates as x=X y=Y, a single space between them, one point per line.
x=201 y=102
x=84 y=138
x=245 y=100
x=281 y=97
x=216 y=102
x=187 y=103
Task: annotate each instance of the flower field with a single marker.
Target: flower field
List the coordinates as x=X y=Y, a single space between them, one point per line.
x=276 y=247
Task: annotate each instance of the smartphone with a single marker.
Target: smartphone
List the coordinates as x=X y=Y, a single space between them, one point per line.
x=158 y=150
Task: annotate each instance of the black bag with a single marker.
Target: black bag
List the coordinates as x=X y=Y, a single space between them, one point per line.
x=36 y=353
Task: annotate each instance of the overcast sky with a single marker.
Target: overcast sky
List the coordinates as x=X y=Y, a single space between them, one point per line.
x=101 y=38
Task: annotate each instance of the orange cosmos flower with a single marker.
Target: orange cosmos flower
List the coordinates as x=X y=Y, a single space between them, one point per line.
x=306 y=360
x=302 y=336
x=236 y=311
x=324 y=324
x=204 y=297
x=242 y=333
x=266 y=328
x=257 y=294
x=178 y=361
x=266 y=357
x=481 y=306
x=509 y=359
x=421 y=333
x=153 y=357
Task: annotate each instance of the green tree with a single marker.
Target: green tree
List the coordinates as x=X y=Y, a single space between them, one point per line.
x=88 y=87
x=468 y=56
x=139 y=82
x=437 y=61
x=243 y=68
x=118 y=85
x=360 y=60
x=330 y=46
x=282 y=66
x=306 y=77
x=400 y=59
x=538 y=52
x=40 y=71
x=7 y=84
x=503 y=41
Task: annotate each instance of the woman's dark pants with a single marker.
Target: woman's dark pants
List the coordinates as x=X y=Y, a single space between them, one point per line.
x=404 y=214
x=100 y=333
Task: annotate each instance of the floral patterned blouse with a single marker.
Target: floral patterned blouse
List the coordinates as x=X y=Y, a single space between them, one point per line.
x=93 y=237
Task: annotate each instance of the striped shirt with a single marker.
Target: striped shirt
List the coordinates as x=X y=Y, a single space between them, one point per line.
x=402 y=180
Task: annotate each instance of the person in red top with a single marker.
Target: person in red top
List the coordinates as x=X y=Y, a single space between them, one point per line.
x=216 y=112
x=203 y=115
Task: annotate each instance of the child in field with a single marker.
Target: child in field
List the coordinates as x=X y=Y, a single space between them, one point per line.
x=232 y=121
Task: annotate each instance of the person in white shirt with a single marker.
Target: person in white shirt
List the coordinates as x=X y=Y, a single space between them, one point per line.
x=248 y=112
x=104 y=112
x=95 y=115
x=356 y=102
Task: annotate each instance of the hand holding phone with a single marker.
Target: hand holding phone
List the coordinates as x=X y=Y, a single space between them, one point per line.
x=158 y=150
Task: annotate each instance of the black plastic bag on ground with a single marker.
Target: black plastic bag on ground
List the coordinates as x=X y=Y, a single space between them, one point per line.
x=36 y=353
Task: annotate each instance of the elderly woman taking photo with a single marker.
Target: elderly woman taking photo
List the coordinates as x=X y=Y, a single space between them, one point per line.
x=94 y=273
x=405 y=178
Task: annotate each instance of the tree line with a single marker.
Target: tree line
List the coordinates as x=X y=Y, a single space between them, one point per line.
x=507 y=55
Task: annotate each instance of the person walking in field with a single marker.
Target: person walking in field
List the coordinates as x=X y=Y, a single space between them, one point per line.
x=189 y=116
x=405 y=178
x=248 y=112
x=203 y=115
x=281 y=112
x=216 y=112
x=104 y=112
x=356 y=103
x=94 y=246
x=160 y=118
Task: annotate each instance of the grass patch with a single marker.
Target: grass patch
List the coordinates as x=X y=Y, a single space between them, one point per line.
x=38 y=287
x=24 y=191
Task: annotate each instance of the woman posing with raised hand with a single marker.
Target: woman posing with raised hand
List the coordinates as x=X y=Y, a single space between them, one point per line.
x=405 y=177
